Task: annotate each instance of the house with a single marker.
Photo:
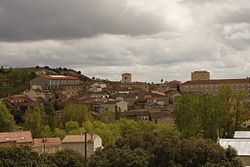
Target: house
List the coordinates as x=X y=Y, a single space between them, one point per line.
x=71 y=90
x=17 y=99
x=47 y=145
x=122 y=106
x=137 y=114
x=16 y=138
x=34 y=93
x=173 y=85
x=242 y=134
x=67 y=85
x=161 y=117
x=109 y=106
x=77 y=143
x=242 y=146
x=241 y=143
x=97 y=87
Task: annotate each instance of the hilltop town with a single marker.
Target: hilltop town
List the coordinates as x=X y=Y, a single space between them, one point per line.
x=55 y=109
x=63 y=86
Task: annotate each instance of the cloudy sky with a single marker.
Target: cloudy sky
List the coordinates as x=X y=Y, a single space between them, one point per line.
x=152 y=39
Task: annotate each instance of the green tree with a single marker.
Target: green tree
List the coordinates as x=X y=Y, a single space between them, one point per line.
x=2 y=70
x=59 y=133
x=118 y=113
x=73 y=127
x=187 y=117
x=210 y=116
x=157 y=150
x=233 y=104
x=34 y=121
x=112 y=156
x=50 y=115
x=21 y=156
x=213 y=117
x=76 y=112
x=66 y=158
x=106 y=116
x=7 y=122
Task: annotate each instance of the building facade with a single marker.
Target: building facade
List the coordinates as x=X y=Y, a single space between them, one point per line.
x=47 y=145
x=66 y=85
x=212 y=86
x=48 y=82
x=77 y=143
x=126 y=78
x=200 y=75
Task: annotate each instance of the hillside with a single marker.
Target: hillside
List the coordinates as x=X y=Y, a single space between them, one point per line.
x=16 y=80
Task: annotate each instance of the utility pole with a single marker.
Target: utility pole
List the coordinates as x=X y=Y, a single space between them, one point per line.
x=44 y=142
x=85 y=150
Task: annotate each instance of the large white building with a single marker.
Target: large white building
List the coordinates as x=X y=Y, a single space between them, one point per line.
x=54 y=81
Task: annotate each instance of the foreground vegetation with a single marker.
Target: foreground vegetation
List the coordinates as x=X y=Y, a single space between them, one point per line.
x=135 y=150
x=210 y=117
x=199 y=120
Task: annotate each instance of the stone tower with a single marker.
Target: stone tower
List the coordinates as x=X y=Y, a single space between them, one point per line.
x=200 y=75
x=126 y=78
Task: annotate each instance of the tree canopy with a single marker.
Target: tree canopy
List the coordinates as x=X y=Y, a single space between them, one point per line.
x=7 y=122
x=210 y=116
x=157 y=150
x=34 y=121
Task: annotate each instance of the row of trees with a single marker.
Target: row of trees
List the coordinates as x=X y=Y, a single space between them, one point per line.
x=23 y=156
x=163 y=150
x=211 y=116
x=42 y=122
x=136 y=150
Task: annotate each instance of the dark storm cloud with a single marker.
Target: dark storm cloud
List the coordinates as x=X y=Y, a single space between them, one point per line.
x=157 y=38
x=70 y=19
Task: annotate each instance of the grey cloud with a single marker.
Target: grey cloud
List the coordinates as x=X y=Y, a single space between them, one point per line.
x=235 y=16
x=217 y=38
x=66 y=19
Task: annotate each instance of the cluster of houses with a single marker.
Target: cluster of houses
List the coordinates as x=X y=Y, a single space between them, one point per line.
x=52 y=145
x=135 y=100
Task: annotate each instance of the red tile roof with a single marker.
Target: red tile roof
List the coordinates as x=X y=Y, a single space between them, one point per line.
x=49 y=142
x=78 y=138
x=17 y=97
x=59 y=77
x=218 y=81
x=18 y=137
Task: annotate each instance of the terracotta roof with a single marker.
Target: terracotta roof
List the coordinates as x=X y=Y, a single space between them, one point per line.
x=175 y=81
x=137 y=112
x=218 y=81
x=59 y=77
x=161 y=114
x=78 y=138
x=49 y=142
x=17 y=97
x=18 y=137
